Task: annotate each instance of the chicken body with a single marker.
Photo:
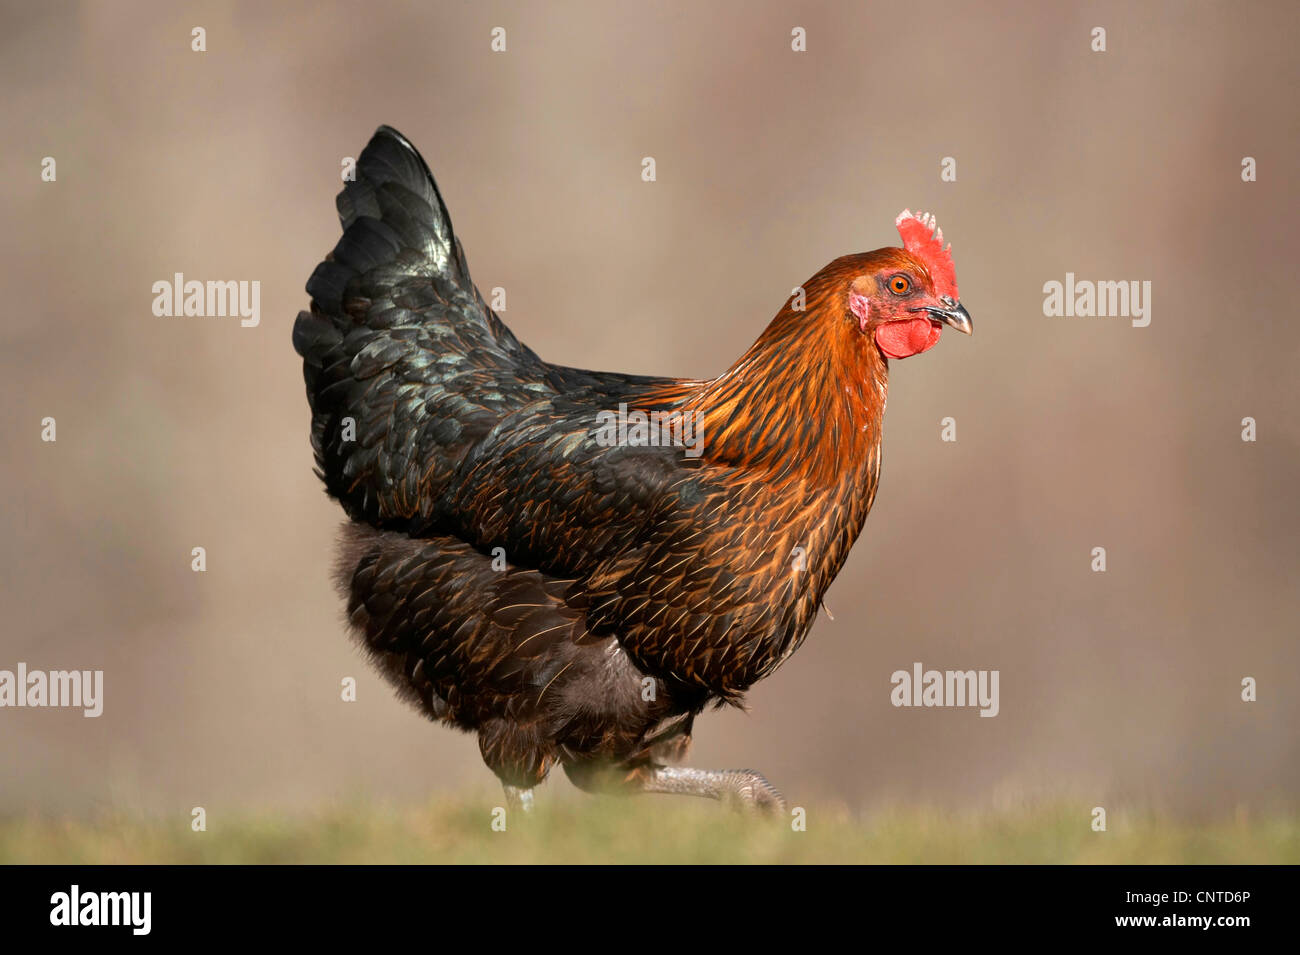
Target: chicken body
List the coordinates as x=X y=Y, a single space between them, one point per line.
x=511 y=575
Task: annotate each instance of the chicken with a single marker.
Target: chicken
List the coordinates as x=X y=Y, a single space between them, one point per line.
x=570 y=591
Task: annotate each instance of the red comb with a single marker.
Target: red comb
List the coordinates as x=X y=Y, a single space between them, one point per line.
x=924 y=239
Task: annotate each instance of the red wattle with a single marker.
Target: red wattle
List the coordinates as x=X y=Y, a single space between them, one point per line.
x=907 y=338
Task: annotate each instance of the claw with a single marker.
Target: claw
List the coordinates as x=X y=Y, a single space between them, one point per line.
x=755 y=794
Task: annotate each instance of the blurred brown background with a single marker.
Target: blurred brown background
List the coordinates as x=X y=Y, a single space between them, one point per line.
x=222 y=688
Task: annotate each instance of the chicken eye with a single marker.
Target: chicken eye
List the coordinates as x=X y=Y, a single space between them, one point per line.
x=899 y=285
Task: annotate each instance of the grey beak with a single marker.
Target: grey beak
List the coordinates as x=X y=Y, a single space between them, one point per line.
x=952 y=313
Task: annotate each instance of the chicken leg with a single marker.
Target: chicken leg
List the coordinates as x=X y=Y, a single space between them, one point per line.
x=741 y=788
x=518 y=800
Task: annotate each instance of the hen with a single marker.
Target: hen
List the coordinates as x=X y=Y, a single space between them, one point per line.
x=573 y=564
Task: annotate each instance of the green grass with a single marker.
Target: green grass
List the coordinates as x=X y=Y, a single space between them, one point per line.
x=650 y=830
